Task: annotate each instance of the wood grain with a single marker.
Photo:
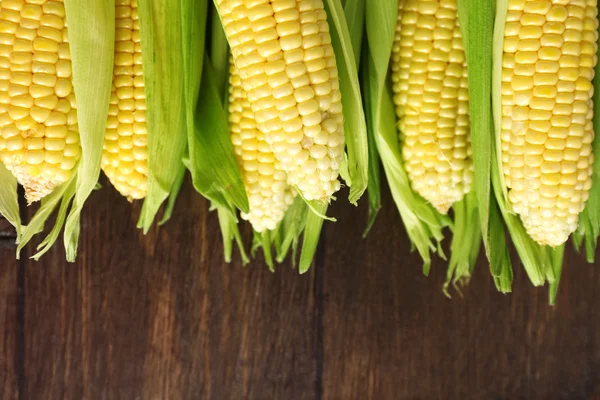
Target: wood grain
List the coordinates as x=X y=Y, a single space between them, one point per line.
x=390 y=333
x=7 y=232
x=10 y=322
x=163 y=317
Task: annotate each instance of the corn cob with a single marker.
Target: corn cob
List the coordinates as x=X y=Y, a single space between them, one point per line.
x=546 y=138
x=265 y=180
x=125 y=154
x=39 y=137
x=282 y=49
x=429 y=74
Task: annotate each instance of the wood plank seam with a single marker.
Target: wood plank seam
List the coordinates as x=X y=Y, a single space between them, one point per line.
x=24 y=214
x=319 y=264
x=20 y=353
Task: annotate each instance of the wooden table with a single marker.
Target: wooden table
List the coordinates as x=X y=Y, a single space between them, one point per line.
x=163 y=317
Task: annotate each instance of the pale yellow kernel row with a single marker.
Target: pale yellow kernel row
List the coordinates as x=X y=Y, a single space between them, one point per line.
x=287 y=66
x=429 y=74
x=265 y=180
x=125 y=153
x=39 y=138
x=547 y=132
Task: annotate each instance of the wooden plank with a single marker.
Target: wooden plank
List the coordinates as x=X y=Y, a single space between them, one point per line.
x=390 y=333
x=10 y=323
x=161 y=316
x=7 y=232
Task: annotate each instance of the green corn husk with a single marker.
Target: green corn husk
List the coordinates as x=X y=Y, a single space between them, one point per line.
x=423 y=223
x=166 y=28
x=92 y=60
x=589 y=220
x=9 y=202
x=355 y=11
x=211 y=160
x=355 y=174
x=477 y=21
x=219 y=56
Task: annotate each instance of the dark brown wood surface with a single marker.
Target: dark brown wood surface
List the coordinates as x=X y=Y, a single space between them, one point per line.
x=10 y=309
x=163 y=317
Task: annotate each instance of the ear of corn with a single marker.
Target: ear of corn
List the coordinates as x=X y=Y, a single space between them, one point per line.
x=42 y=63
x=287 y=66
x=526 y=141
x=546 y=138
x=265 y=180
x=423 y=224
x=430 y=167
x=287 y=69
x=39 y=137
x=125 y=155
x=431 y=97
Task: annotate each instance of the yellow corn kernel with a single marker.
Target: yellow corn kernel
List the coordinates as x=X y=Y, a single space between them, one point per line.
x=284 y=56
x=125 y=157
x=34 y=82
x=263 y=175
x=549 y=186
x=430 y=93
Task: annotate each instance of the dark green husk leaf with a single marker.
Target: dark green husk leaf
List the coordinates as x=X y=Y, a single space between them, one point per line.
x=169 y=32
x=214 y=169
x=354 y=10
x=374 y=189
x=355 y=15
x=355 y=171
x=477 y=22
x=215 y=172
x=219 y=56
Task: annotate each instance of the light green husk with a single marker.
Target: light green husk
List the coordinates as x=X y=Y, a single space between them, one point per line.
x=355 y=11
x=542 y=263
x=355 y=125
x=166 y=28
x=9 y=202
